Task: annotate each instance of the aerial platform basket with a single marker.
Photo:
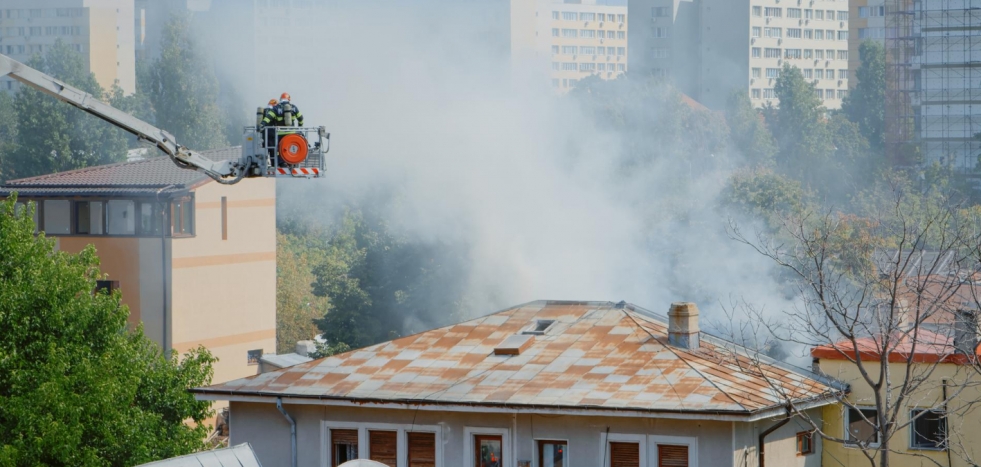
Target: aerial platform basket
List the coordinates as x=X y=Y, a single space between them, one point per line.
x=291 y=151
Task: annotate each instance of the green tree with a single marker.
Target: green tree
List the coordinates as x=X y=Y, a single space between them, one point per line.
x=800 y=129
x=8 y=131
x=184 y=89
x=866 y=103
x=748 y=129
x=296 y=305
x=77 y=388
x=53 y=136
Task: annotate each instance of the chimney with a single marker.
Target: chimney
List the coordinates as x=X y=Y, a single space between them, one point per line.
x=683 y=325
x=965 y=331
x=305 y=348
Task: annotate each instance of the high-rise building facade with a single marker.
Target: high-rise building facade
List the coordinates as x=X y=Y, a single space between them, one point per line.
x=868 y=21
x=101 y=30
x=709 y=49
x=573 y=40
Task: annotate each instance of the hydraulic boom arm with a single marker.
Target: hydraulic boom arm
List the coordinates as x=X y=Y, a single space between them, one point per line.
x=222 y=171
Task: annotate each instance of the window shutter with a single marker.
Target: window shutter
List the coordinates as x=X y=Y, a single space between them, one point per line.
x=672 y=456
x=382 y=447
x=344 y=436
x=422 y=450
x=624 y=455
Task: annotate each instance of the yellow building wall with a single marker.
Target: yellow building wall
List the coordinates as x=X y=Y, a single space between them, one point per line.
x=224 y=291
x=119 y=260
x=964 y=423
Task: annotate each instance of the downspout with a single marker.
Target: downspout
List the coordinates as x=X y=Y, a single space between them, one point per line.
x=279 y=405
x=760 y=453
x=163 y=271
x=943 y=382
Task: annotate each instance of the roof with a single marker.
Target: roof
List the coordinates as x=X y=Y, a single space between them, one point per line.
x=597 y=356
x=137 y=178
x=238 y=456
x=924 y=262
x=930 y=347
x=284 y=360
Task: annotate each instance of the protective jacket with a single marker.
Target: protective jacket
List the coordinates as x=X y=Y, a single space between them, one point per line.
x=280 y=111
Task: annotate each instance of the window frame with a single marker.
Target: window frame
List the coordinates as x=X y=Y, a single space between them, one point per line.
x=607 y=438
x=913 y=432
x=363 y=449
x=809 y=436
x=539 y=453
x=854 y=444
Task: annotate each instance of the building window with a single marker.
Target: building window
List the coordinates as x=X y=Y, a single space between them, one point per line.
x=253 y=356
x=660 y=52
x=624 y=454
x=555 y=32
x=661 y=33
x=773 y=32
x=556 y=66
x=805 y=443
x=343 y=446
x=569 y=33
x=842 y=55
x=487 y=450
x=422 y=449
x=569 y=66
x=621 y=51
x=808 y=73
x=829 y=35
x=756 y=31
x=773 y=73
x=621 y=67
x=663 y=11
x=621 y=35
x=769 y=93
x=569 y=49
x=587 y=34
x=569 y=15
x=757 y=73
x=793 y=53
x=842 y=93
x=585 y=67
x=929 y=429
x=56 y=216
x=587 y=16
x=89 y=218
x=106 y=287
x=552 y=453
x=794 y=33
x=808 y=34
x=819 y=73
x=771 y=53
x=808 y=14
x=601 y=17
x=808 y=53
x=669 y=455
x=842 y=35
x=829 y=15
x=621 y=18
x=793 y=13
x=555 y=50
x=819 y=53
x=818 y=14
x=756 y=94
x=842 y=16
x=757 y=11
x=182 y=216
x=842 y=74
x=601 y=66
x=383 y=447
x=555 y=15
x=756 y=52
x=773 y=12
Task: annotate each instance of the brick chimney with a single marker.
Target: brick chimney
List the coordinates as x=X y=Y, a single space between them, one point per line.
x=683 y=325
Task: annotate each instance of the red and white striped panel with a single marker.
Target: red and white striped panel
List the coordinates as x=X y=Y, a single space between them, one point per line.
x=311 y=171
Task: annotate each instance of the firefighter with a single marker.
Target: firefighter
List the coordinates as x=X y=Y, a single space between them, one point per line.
x=268 y=121
x=284 y=105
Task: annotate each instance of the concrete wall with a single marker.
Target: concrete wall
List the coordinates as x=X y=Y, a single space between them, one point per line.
x=224 y=291
x=964 y=419
x=712 y=443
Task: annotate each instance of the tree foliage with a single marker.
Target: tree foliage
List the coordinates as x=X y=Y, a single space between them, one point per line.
x=53 y=136
x=8 y=131
x=296 y=305
x=750 y=134
x=800 y=130
x=77 y=388
x=184 y=89
x=866 y=103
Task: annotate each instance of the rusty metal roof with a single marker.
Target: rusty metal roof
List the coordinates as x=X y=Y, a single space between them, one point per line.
x=136 y=178
x=597 y=356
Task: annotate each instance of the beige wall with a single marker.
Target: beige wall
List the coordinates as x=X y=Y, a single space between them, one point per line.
x=224 y=291
x=265 y=428
x=964 y=423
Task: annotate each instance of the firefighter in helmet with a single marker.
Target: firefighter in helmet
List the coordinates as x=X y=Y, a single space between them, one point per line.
x=286 y=106
x=268 y=121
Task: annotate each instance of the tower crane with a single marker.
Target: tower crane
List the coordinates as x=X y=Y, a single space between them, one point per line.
x=287 y=154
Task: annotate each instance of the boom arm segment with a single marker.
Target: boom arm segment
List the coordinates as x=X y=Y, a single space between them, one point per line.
x=223 y=171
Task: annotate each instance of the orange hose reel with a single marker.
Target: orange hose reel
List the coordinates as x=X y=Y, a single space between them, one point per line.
x=293 y=148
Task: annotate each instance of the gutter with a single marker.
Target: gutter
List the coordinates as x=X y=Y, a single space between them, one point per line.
x=279 y=405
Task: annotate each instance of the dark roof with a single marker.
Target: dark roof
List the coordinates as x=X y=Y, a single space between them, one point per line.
x=138 y=178
x=596 y=355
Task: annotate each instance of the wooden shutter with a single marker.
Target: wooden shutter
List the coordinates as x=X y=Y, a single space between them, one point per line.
x=672 y=456
x=422 y=449
x=624 y=455
x=383 y=447
x=344 y=436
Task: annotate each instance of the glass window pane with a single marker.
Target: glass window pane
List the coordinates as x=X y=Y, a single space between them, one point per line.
x=122 y=217
x=96 y=223
x=151 y=218
x=929 y=430
x=860 y=430
x=57 y=217
x=488 y=451
x=552 y=453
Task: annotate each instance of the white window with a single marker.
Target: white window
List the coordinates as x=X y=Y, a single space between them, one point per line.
x=771 y=53
x=587 y=50
x=556 y=66
x=808 y=34
x=569 y=33
x=569 y=49
x=842 y=74
x=555 y=32
x=555 y=15
x=808 y=14
x=122 y=217
x=773 y=32
x=769 y=94
x=842 y=55
x=756 y=51
x=818 y=14
x=819 y=73
x=757 y=11
x=829 y=94
x=820 y=93
x=569 y=15
x=757 y=73
x=794 y=33
x=660 y=33
x=602 y=34
x=808 y=53
x=621 y=67
x=829 y=15
x=863 y=12
x=756 y=94
x=659 y=52
x=587 y=16
x=555 y=50
x=621 y=18
x=569 y=66
x=819 y=54
x=829 y=54
x=621 y=51
x=842 y=16
x=587 y=34
x=819 y=34
x=621 y=34
x=773 y=73
x=757 y=31
x=842 y=35
x=793 y=13
x=773 y=12
x=664 y=12
x=808 y=73
x=792 y=53
x=601 y=50
x=601 y=66
x=57 y=217
x=601 y=17
x=842 y=93
x=587 y=67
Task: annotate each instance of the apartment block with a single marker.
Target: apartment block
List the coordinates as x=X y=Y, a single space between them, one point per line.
x=101 y=30
x=868 y=21
x=574 y=40
x=708 y=49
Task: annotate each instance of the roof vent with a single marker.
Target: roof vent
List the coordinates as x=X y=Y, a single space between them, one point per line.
x=514 y=345
x=539 y=328
x=683 y=325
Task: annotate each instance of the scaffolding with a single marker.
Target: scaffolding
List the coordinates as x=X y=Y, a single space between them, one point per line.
x=933 y=83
